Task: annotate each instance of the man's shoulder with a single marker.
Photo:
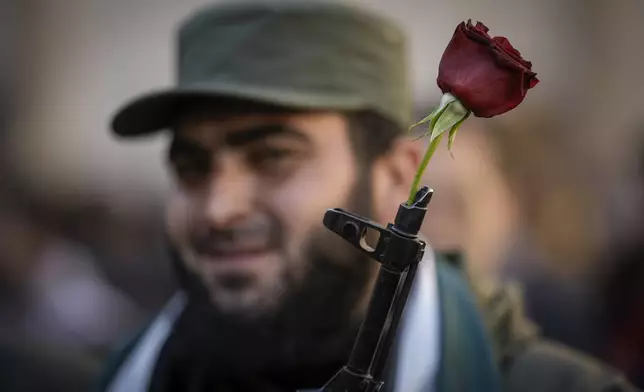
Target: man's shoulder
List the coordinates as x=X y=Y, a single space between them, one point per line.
x=531 y=363
x=527 y=361
x=548 y=366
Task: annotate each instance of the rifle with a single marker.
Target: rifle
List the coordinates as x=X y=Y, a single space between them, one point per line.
x=398 y=250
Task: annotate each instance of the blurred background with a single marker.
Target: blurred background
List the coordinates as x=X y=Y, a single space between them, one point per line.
x=551 y=195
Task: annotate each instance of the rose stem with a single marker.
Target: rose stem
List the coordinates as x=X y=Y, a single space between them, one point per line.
x=428 y=155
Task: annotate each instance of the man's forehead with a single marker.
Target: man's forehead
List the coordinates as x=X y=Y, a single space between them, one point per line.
x=209 y=128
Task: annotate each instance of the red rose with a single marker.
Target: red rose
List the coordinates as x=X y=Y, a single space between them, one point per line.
x=487 y=75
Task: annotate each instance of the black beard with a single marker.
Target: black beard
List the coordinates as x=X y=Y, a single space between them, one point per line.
x=299 y=345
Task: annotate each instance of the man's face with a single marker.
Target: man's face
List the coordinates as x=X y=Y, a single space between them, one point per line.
x=251 y=194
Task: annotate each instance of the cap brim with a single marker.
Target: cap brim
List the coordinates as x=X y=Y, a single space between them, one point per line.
x=158 y=110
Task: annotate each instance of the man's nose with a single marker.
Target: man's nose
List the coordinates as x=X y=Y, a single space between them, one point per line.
x=229 y=196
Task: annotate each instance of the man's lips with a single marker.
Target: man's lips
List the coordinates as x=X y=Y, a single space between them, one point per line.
x=235 y=254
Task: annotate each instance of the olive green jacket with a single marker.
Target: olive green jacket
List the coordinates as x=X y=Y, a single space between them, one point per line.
x=529 y=363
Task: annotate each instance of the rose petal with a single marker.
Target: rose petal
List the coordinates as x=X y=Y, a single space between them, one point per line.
x=477 y=34
x=533 y=82
x=506 y=45
x=511 y=61
x=482 y=27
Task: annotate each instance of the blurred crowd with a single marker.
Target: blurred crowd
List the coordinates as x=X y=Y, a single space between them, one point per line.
x=522 y=195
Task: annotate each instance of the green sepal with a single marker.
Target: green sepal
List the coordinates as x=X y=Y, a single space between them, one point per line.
x=452 y=134
x=453 y=114
x=446 y=100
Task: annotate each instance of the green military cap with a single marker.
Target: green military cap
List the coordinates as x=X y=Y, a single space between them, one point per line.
x=302 y=55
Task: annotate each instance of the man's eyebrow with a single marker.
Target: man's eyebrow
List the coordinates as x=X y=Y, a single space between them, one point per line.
x=263 y=131
x=184 y=146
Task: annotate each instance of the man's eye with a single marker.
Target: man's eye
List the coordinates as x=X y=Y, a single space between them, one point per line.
x=272 y=158
x=190 y=171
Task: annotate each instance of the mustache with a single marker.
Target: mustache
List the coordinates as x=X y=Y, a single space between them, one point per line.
x=219 y=241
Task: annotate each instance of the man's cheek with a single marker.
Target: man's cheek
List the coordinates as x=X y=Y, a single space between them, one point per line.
x=297 y=227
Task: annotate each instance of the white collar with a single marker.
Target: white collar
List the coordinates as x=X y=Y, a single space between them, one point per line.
x=418 y=355
x=419 y=331
x=135 y=372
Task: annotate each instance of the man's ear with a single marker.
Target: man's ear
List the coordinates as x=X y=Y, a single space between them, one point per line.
x=393 y=174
